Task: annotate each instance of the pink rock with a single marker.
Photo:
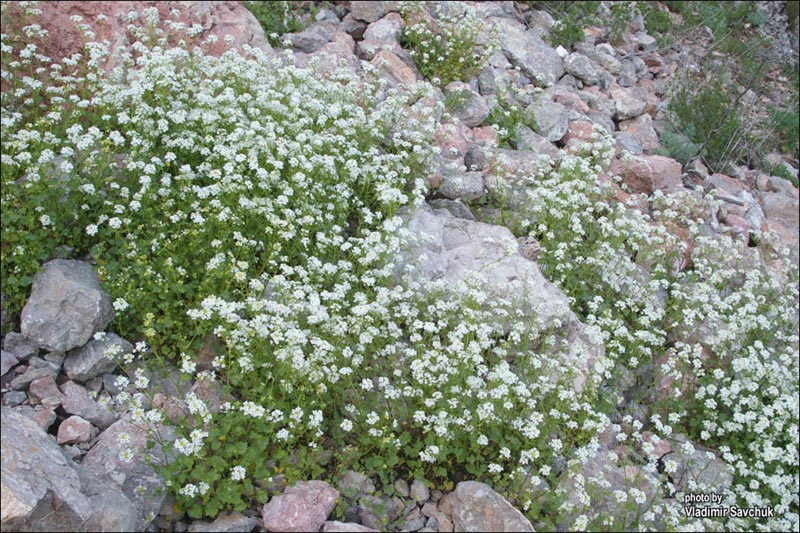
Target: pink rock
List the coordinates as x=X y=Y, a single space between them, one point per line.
x=75 y=429
x=648 y=173
x=579 y=131
x=303 y=507
x=485 y=135
x=46 y=391
x=661 y=448
x=739 y=223
x=453 y=139
x=222 y=19
x=726 y=184
x=641 y=127
x=393 y=68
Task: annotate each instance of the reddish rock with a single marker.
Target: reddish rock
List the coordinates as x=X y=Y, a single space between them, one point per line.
x=739 y=223
x=453 y=139
x=641 y=127
x=222 y=19
x=581 y=130
x=485 y=135
x=303 y=507
x=726 y=184
x=46 y=391
x=660 y=448
x=394 y=69
x=75 y=429
x=648 y=173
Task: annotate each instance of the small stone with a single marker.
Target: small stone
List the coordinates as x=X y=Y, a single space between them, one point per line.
x=413 y=524
x=14 y=398
x=419 y=491
x=75 y=429
x=7 y=362
x=76 y=401
x=401 y=486
x=20 y=346
x=22 y=381
x=352 y=484
x=45 y=391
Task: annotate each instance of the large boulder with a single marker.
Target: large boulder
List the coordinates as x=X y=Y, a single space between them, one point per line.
x=67 y=306
x=453 y=249
x=477 y=507
x=224 y=20
x=43 y=491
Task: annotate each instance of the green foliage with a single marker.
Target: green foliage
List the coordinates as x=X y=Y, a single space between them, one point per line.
x=507 y=115
x=787 y=129
x=444 y=48
x=277 y=17
x=706 y=114
x=571 y=18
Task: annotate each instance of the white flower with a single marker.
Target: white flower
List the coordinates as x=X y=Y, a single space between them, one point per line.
x=238 y=473
x=346 y=424
x=120 y=304
x=91 y=230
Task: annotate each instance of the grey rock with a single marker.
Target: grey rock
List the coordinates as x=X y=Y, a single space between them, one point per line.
x=629 y=102
x=43 y=491
x=646 y=42
x=334 y=526
x=371 y=11
x=91 y=360
x=14 y=398
x=466 y=186
x=450 y=249
x=586 y=70
x=419 y=491
x=302 y=507
x=401 y=486
x=66 y=307
x=618 y=477
x=781 y=208
x=376 y=512
x=628 y=142
x=7 y=362
x=527 y=139
x=225 y=523
x=352 y=484
x=475 y=158
x=104 y=461
x=458 y=210
x=552 y=119
x=42 y=416
x=76 y=401
x=313 y=37
x=531 y=54
x=414 y=524
x=479 y=508
x=20 y=346
x=471 y=107
x=698 y=467
x=22 y=381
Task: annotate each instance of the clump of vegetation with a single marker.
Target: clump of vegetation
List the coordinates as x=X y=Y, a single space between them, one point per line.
x=507 y=115
x=277 y=17
x=445 y=47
